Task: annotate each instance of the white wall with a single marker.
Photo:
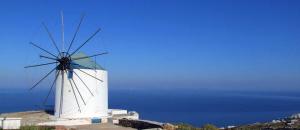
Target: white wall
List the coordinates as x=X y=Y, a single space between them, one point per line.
x=117 y=112
x=10 y=123
x=96 y=106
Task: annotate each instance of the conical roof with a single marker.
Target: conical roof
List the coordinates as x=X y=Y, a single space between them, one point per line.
x=86 y=63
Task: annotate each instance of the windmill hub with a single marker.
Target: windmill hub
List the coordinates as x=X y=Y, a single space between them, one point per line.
x=64 y=63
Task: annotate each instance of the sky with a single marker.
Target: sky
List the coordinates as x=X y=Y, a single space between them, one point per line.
x=170 y=44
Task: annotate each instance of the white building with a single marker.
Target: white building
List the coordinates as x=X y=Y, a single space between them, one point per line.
x=91 y=95
x=10 y=123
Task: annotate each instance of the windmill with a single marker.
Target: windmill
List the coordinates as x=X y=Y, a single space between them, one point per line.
x=80 y=84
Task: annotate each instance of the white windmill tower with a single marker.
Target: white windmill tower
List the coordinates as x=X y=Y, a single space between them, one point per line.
x=80 y=84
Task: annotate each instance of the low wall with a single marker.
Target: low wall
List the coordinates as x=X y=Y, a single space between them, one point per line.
x=138 y=124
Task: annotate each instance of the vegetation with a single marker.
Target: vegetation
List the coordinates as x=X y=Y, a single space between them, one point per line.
x=210 y=127
x=37 y=128
x=269 y=126
x=183 y=126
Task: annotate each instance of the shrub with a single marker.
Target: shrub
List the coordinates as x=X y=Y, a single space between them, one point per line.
x=210 y=127
x=37 y=128
x=183 y=126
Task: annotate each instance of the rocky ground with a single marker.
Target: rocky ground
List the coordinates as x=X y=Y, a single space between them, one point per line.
x=104 y=126
x=30 y=117
x=34 y=117
x=288 y=123
x=32 y=120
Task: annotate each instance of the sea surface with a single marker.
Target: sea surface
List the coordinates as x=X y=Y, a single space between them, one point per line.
x=196 y=107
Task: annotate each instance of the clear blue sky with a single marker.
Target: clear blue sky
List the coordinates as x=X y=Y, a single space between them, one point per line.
x=229 y=44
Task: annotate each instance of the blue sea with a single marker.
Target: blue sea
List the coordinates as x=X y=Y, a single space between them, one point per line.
x=196 y=107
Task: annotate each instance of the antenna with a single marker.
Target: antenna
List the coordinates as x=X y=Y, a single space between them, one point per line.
x=62 y=31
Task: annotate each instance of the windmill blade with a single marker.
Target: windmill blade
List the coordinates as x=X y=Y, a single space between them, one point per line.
x=94 y=34
x=51 y=37
x=74 y=94
x=62 y=31
x=61 y=93
x=90 y=56
x=42 y=78
x=90 y=75
x=78 y=91
x=42 y=49
x=45 y=101
x=40 y=65
x=83 y=83
x=41 y=56
x=77 y=29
